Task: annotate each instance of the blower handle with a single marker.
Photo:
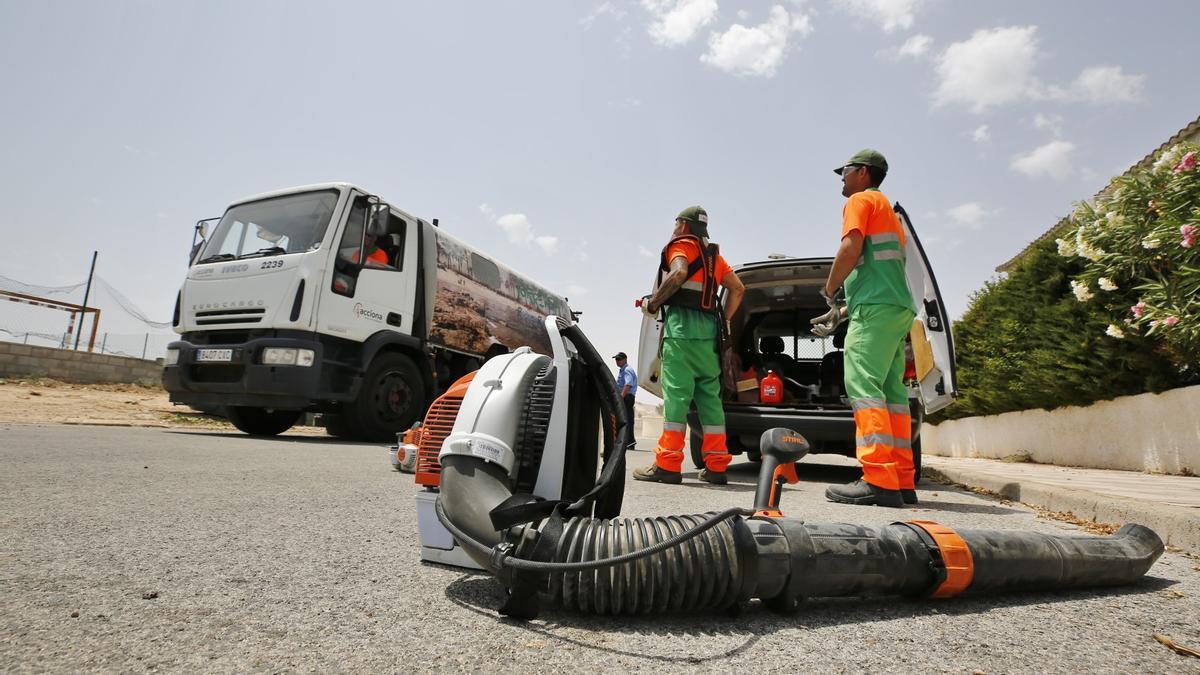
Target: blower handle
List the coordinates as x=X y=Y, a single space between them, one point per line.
x=780 y=448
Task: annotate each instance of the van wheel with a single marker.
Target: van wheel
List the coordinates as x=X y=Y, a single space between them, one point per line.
x=392 y=397
x=696 y=446
x=916 y=453
x=262 y=421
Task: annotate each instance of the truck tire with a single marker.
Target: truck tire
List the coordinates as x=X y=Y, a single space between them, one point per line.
x=391 y=398
x=262 y=421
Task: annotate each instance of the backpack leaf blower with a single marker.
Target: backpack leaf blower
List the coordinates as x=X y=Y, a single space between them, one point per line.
x=523 y=490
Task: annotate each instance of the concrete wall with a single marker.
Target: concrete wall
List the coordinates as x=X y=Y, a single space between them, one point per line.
x=64 y=364
x=1150 y=432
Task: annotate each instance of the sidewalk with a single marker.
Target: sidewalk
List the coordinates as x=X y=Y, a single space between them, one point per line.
x=1170 y=505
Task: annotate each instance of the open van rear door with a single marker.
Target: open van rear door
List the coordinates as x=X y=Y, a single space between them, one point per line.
x=649 y=366
x=932 y=344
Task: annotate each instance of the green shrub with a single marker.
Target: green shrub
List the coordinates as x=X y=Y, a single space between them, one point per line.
x=1112 y=310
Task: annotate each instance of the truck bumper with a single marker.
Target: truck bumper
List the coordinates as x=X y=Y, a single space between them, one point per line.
x=245 y=380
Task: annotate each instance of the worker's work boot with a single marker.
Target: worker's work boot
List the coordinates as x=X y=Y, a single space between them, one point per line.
x=909 y=496
x=714 y=477
x=656 y=474
x=863 y=493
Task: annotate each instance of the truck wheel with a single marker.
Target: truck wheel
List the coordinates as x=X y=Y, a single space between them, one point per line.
x=338 y=426
x=262 y=421
x=391 y=399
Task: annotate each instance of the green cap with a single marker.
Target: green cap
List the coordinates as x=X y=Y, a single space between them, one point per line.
x=867 y=157
x=697 y=217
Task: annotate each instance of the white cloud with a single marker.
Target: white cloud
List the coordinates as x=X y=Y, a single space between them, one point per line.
x=1050 y=122
x=971 y=214
x=487 y=211
x=1052 y=159
x=519 y=231
x=995 y=67
x=575 y=290
x=758 y=50
x=628 y=102
x=1106 y=84
x=891 y=15
x=916 y=46
x=603 y=9
x=676 y=22
x=981 y=134
x=990 y=68
x=645 y=252
x=580 y=252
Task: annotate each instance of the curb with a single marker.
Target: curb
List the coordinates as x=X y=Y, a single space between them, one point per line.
x=1176 y=525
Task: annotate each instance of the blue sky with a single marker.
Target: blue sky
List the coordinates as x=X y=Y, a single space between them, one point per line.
x=564 y=136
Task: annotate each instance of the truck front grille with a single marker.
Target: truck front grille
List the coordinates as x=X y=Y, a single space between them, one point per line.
x=216 y=317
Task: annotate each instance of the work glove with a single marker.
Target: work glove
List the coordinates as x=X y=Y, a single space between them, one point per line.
x=826 y=324
x=644 y=304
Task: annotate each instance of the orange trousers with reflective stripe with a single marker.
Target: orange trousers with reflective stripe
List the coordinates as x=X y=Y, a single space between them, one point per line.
x=874 y=376
x=691 y=372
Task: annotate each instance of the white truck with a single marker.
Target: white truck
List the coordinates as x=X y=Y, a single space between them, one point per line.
x=324 y=298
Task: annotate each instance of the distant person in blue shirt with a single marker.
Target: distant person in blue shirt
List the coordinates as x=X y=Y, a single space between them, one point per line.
x=626 y=384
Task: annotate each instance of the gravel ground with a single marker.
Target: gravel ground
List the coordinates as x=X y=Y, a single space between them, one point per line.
x=205 y=550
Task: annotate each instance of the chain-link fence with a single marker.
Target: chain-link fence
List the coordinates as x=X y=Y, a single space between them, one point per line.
x=148 y=346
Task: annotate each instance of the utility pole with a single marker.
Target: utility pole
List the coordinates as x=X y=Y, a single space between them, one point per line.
x=86 y=292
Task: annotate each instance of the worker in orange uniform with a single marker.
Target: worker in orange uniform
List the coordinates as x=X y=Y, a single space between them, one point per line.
x=870 y=261
x=376 y=257
x=690 y=269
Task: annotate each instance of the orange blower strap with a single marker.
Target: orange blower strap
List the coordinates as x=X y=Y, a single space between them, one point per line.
x=955 y=558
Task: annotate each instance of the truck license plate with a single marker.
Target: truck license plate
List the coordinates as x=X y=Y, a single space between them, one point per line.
x=214 y=355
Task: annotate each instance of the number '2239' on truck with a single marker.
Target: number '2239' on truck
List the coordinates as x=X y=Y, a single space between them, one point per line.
x=325 y=298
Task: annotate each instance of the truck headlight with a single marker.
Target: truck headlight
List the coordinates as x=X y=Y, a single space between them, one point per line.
x=172 y=357
x=288 y=356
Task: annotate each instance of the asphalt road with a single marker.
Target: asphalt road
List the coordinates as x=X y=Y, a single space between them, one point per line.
x=146 y=550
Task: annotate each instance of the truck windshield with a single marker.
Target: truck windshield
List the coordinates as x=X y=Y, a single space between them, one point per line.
x=289 y=224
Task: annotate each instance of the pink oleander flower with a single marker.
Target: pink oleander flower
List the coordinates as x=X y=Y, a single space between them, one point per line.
x=1186 y=164
x=1170 y=320
x=1138 y=309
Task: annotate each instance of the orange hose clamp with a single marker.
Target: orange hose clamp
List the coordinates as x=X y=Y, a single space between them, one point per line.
x=956 y=556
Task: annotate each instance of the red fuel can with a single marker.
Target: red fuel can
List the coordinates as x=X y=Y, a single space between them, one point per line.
x=771 y=388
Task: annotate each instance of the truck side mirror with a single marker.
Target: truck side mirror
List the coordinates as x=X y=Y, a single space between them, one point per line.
x=377 y=220
x=204 y=229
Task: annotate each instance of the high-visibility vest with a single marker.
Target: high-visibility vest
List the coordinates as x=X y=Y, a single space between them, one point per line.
x=700 y=289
